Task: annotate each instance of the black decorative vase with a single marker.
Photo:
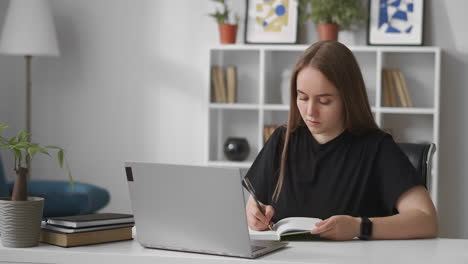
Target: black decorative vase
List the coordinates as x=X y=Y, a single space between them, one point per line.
x=236 y=149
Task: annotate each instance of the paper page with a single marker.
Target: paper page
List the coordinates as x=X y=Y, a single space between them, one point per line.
x=295 y=224
x=263 y=235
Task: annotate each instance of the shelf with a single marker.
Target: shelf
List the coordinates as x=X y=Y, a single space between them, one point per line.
x=231 y=164
x=263 y=72
x=276 y=107
x=407 y=110
x=234 y=106
x=425 y=49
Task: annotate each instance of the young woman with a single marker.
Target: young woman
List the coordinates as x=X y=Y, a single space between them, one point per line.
x=331 y=161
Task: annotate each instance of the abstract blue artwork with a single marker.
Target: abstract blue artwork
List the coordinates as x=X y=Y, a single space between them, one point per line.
x=395 y=22
x=395 y=16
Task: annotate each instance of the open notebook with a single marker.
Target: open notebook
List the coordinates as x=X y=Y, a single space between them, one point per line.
x=285 y=227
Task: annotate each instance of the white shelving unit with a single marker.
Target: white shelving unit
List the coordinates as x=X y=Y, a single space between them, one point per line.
x=259 y=70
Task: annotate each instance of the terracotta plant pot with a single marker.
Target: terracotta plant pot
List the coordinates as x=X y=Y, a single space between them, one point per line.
x=328 y=31
x=227 y=33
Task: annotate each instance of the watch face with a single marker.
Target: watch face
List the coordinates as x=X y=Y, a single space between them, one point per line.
x=366 y=229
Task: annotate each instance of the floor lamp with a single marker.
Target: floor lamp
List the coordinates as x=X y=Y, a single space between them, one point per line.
x=28 y=31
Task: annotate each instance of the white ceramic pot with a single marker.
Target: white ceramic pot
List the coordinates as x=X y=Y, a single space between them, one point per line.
x=20 y=222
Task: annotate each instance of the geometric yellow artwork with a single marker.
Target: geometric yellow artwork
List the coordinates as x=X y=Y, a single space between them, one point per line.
x=272 y=15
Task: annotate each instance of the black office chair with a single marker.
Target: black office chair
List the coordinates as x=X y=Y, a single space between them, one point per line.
x=420 y=155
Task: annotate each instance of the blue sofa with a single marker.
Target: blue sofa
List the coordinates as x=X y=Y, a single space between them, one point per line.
x=59 y=199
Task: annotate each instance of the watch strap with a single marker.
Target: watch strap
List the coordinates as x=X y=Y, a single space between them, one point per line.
x=366 y=229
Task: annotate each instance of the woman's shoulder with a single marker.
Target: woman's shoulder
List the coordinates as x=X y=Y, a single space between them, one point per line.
x=278 y=136
x=372 y=138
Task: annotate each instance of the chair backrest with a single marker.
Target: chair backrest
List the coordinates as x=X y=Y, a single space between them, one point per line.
x=3 y=185
x=420 y=155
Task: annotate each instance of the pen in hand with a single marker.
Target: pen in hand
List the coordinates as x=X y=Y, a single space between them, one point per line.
x=246 y=183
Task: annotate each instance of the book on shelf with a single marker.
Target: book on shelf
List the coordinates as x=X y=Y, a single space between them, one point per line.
x=231 y=83
x=399 y=88
x=395 y=90
x=216 y=78
x=388 y=90
x=222 y=85
x=78 y=221
x=401 y=79
x=85 y=238
x=286 y=227
x=69 y=230
x=214 y=85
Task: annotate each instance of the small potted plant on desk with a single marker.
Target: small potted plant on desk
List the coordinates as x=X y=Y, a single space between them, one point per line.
x=330 y=16
x=227 y=31
x=20 y=215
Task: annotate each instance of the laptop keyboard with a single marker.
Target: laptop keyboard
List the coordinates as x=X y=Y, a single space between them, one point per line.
x=257 y=248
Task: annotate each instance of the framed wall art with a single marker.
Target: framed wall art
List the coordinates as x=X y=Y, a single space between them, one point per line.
x=271 y=21
x=395 y=22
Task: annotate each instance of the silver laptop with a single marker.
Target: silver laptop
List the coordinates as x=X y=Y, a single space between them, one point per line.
x=192 y=208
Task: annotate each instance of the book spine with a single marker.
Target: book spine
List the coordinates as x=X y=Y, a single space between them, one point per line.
x=408 y=100
x=215 y=84
x=391 y=88
x=386 y=88
x=399 y=88
x=231 y=80
x=222 y=85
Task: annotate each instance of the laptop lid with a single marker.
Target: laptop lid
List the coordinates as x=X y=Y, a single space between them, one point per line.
x=189 y=208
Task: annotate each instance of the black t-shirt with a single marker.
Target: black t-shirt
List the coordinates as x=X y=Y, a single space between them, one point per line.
x=349 y=175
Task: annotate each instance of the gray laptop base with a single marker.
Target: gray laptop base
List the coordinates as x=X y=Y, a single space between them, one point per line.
x=193 y=209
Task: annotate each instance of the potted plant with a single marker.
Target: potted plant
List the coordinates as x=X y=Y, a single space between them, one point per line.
x=227 y=31
x=20 y=215
x=330 y=16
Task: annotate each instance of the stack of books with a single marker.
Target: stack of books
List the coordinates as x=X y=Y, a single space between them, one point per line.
x=70 y=231
x=395 y=91
x=224 y=84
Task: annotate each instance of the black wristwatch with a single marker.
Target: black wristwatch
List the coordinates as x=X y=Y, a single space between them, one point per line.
x=366 y=229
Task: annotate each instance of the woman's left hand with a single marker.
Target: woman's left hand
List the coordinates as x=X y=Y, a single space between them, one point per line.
x=338 y=227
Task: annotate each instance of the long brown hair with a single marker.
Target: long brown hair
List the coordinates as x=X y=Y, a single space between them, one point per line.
x=338 y=64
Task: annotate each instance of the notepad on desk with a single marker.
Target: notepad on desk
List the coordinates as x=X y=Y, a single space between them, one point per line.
x=69 y=230
x=79 y=221
x=286 y=227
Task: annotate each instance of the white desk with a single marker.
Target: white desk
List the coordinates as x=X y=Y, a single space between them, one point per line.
x=401 y=251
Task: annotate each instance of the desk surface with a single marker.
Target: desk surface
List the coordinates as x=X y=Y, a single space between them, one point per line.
x=356 y=251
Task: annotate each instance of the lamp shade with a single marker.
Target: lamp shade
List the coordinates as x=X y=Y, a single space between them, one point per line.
x=29 y=29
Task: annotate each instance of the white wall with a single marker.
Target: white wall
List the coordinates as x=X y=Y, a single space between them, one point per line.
x=130 y=85
x=446 y=21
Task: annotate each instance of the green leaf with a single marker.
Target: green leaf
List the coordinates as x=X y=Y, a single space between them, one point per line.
x=32 y=152
x=52 y=147
x=60 y=158
x=43 y=151
x=13 y=140
x=22 y=145
x=3 y=127
x=70 y=178
x=18 y=156
x=23 y=136
x=341 y=12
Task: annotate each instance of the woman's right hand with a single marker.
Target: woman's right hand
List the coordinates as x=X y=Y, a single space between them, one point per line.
x=255 y=218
